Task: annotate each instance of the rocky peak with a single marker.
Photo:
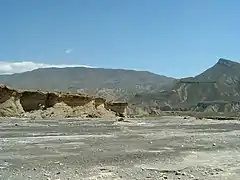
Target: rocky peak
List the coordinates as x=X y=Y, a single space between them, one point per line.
x=226 y=62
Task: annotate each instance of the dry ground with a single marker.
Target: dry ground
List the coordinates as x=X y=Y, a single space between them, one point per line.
x=164 y=148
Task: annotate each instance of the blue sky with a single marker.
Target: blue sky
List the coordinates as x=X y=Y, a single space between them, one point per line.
x=172 y=37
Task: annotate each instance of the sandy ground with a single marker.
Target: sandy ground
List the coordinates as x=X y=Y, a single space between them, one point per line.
x=165 y=148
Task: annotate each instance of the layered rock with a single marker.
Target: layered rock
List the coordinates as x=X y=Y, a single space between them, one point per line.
x=15 y=103
x=217 y=89
x=10 y=102
x=217 y=106
x=33 y=100
x=118 y=107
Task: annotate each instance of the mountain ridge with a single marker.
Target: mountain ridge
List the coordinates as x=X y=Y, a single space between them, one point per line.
x=220 y=82
x=115 y=83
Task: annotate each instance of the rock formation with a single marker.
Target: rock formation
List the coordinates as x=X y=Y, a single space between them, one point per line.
x=118 y=107
x=39 y=104
x=217 y=89
x=217 y=106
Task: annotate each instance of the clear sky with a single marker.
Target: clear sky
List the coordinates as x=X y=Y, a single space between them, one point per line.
x=171 y=37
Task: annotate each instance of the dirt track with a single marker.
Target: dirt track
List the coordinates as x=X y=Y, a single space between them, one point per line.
x=166 y=148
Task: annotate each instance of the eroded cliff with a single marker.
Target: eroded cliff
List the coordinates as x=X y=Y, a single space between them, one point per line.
x=25 y=103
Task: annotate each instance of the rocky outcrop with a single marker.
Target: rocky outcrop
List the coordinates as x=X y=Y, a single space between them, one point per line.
x=15 y=103
x=71 y=100
x=118 y=107
x=10 y=102
x=217 y=106
x=33 y=100
x=217 y=89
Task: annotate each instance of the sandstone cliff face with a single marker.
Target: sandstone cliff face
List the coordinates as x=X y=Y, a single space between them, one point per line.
x=71 y=100
x=32 y=100
x=15 y=103
x=9 y=102
x=118 y=107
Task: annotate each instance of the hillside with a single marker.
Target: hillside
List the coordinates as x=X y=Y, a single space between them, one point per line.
x=111 y=84
x=40 y=104
x=215 y=89
x=220 y=82
x=217 y=86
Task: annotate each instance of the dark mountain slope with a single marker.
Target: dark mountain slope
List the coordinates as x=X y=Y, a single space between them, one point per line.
x=110 y=83
x=220 y=83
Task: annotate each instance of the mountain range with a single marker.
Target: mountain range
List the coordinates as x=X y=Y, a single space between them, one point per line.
x=112 y=84
x=216 y=89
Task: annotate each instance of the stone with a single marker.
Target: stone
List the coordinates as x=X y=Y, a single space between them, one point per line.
x=184 y=174
x=178 y=173
x=191 y=176
x=120 y=119
x=41 y=104
x=47 y=175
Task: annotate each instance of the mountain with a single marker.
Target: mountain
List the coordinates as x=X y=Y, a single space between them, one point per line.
x=112 y=84
x=220 y=82
x=215 y=89
x=218 y=87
